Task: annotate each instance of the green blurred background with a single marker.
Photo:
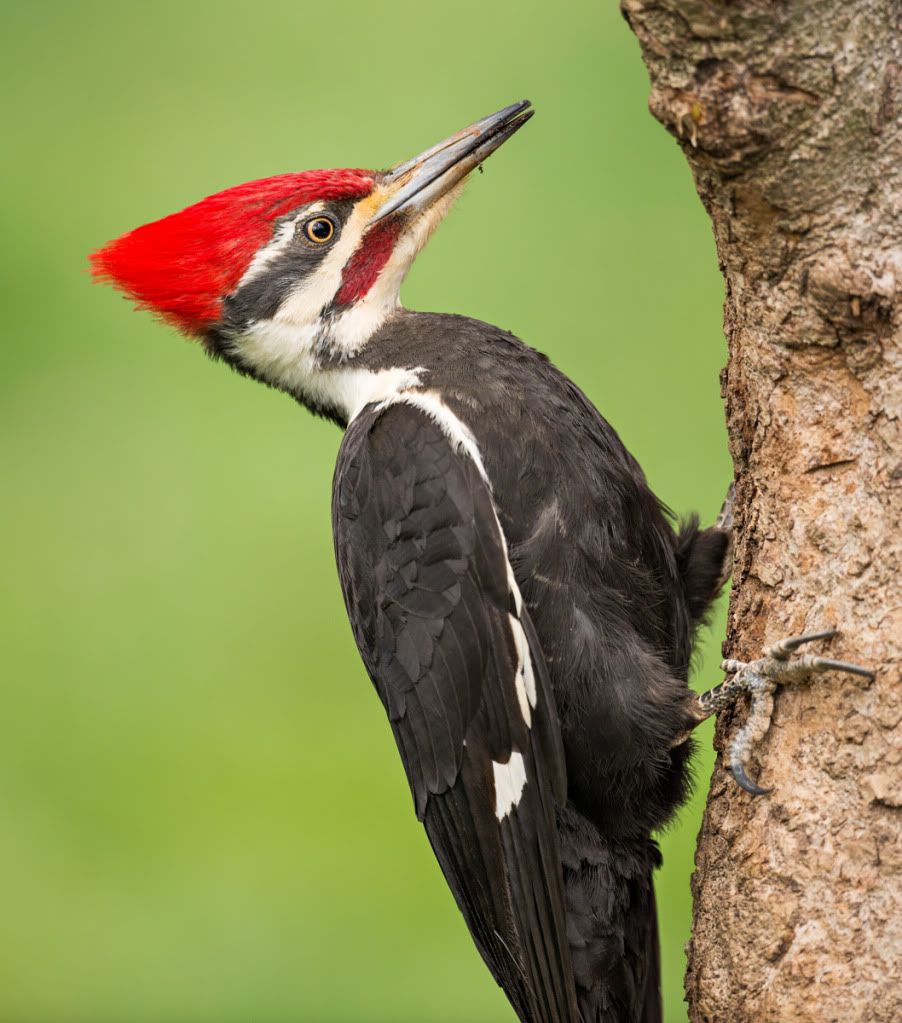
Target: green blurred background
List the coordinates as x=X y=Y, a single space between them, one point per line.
x=202 y=813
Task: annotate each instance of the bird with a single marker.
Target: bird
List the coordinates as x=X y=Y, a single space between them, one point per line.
x=523 y=603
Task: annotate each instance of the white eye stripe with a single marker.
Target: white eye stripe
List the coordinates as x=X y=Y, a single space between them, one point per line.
x=282 y=238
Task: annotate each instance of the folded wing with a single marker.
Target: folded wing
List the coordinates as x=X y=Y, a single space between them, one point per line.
x=453 y=655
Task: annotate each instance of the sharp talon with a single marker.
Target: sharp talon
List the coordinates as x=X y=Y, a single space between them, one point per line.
x=785 y=647
x=745 y=782
x=851 y=669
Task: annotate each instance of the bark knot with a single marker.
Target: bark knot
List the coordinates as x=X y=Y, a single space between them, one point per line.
x=730 y=111
x=849 y=294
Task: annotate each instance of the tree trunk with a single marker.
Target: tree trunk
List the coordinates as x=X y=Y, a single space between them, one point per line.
x=790 y=114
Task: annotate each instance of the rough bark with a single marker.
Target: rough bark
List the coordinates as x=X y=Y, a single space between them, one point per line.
x=790 y=115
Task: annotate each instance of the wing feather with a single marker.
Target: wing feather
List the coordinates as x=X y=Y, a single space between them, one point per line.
x=427 y=584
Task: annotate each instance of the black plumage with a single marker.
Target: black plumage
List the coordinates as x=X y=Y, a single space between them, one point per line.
x=613 y=594
x=521 y=599
x=423 y=567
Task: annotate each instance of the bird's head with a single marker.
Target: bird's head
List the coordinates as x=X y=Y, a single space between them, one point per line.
x=286 y=274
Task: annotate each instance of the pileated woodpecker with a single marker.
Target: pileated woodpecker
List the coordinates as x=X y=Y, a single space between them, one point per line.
x=520 y=599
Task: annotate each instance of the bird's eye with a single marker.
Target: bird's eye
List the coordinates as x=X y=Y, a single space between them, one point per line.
x=319 y=230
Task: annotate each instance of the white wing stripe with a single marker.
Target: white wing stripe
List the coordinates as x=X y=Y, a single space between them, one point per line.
x=510 y=780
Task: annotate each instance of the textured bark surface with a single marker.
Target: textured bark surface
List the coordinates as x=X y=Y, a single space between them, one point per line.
x=790 y=114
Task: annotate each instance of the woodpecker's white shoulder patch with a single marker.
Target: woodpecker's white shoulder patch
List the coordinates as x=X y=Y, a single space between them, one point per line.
x=510 y=780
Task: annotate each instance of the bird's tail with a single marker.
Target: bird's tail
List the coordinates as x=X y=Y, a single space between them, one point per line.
x=612 y=923
x=652 y=1009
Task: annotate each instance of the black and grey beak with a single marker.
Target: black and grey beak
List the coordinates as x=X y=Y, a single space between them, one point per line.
x=413 y=186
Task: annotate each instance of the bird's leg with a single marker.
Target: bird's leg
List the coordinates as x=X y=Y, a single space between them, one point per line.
x=760 y=679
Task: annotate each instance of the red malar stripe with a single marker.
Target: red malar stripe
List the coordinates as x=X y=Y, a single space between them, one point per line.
x=364 y=266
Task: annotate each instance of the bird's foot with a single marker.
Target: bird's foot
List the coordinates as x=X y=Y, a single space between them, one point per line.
x=759 y=679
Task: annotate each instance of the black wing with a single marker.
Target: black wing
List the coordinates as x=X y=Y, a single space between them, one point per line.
x=456 y=662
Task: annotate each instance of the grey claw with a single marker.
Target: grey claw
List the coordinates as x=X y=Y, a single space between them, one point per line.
x=760 y=679
x=785 y=647
x=852 y=669
x=743 y=780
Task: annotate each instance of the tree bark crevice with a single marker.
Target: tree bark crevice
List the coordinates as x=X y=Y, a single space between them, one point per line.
x=790 y=115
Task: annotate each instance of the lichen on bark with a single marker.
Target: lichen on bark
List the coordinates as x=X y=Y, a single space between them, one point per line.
x=790 y=115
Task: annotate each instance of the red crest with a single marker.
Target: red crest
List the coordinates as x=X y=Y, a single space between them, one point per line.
x=182 y=266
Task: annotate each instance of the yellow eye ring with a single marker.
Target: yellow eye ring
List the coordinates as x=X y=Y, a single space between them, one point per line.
x=319 y=230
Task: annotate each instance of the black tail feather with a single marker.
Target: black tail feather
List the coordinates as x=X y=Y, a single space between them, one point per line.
x=611 y=923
